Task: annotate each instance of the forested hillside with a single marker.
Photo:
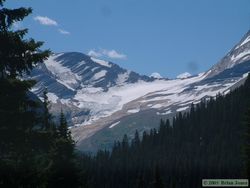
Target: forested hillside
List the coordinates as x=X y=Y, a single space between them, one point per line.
x=207 y=142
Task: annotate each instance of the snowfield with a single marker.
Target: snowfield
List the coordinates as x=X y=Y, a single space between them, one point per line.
x=169 y=92
x=102 y=104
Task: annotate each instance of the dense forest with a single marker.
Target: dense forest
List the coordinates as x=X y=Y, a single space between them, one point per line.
x=210 y=141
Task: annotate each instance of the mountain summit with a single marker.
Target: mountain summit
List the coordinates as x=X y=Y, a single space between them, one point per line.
x=238 y=54
x=71 y=71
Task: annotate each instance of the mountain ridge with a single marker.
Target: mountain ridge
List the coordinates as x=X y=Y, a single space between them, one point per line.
x=235 y=56
x=97 y=95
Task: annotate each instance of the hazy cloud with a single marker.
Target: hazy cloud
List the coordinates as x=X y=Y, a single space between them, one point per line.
x=93 y=53
x=63 y=32
x=193 y=66
x=113 y=54
x=44 y=20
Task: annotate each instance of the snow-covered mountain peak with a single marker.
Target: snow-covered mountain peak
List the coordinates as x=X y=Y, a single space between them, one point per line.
x=184 y=75
x=156 y=75
x=245 y=40
x=71 y=71
x=238 y=54
x=61 y=73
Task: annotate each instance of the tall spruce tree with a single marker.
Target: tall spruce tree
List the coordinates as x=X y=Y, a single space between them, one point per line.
x=20 y=164
x=47 y=117
x=64 y=171
x=63 y=127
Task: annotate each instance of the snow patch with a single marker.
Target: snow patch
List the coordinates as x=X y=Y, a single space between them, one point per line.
x=133 y=111
x=226 y=92
x=164 y=113
x=114 y=124
x=122 y=78
x=241 y=55
x=101 y=62
x=93 y=90
x=81 y=63
x=245 y=41
x=182 y=109
x=157 y=106
x=63 y=74
x=246 y=74
x=52 y=97
x=100 y=74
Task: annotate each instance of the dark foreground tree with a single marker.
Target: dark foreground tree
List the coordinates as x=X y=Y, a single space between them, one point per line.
x=33 y=151
x=20 y=158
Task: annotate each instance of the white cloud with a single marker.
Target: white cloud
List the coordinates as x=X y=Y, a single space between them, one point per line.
x=94 y=53
x=156 y=75
x=63 y=32
x=184 y=75
x=45 y=21
x=112 y=54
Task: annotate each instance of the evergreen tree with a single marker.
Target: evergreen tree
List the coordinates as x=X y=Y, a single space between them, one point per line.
x=64 y=172
x=136 y=140
x=125 y=144
x=47 y=117
x=18 y=55
x=63 y=127
x=20 y=158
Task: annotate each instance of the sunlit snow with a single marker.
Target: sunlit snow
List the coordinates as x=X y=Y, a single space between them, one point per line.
x=101 y=62
x=156 y=75
x=184 y=75
x=52 y=97
x=114 y=124
x=134 y=110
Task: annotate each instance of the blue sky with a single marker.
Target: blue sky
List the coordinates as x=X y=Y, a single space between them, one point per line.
x=165 y=36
